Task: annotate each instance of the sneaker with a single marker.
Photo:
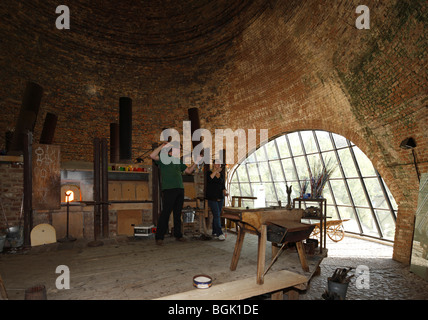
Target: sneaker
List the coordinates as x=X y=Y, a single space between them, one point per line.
x=221 y=237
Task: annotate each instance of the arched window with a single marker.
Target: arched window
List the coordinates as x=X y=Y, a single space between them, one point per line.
x=354 y=191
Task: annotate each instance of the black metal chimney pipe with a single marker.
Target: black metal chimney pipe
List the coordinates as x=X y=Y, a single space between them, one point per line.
x=49 y=129
x=27 y=117
x=114 y=143
x=125 y=128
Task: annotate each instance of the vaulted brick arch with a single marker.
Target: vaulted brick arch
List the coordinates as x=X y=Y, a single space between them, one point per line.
x=279 y=65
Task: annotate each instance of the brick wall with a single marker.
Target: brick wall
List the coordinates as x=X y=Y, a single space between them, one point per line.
x=11 y=191
x=282 y=66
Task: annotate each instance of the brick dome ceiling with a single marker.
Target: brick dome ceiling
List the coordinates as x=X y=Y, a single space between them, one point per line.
x=153 y=30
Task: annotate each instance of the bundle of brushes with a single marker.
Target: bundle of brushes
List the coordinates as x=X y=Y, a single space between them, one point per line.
x=304 y=187
x=319 y=176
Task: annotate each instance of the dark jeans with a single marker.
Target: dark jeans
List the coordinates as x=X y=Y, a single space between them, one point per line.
x=172 y=200
x=216 y=207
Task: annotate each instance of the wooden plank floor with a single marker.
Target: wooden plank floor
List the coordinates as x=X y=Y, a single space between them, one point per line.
x=128 y=268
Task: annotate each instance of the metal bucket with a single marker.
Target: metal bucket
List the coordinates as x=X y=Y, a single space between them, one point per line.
x=339 y=288
x=15 y=236
x=188 y=215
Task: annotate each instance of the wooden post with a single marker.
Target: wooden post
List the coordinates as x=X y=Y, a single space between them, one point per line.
x=261 y=254
x=3 y=292
x=238 y=246
x=277 y=295
x=302 y=256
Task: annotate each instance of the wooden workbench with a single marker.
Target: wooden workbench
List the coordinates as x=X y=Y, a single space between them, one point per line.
x=256 y=221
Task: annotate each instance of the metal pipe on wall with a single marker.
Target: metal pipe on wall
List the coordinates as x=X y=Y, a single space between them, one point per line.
x=97 y=186
x=114 y=143
x=48 y=131
x=125 y=129
x=104 y=188
x=28 y=187
x=27 y=117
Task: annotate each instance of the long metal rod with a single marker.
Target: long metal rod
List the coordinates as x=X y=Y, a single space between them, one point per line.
x=28 y=187
x=277 y=254
x=104 y=188
x=97 y=198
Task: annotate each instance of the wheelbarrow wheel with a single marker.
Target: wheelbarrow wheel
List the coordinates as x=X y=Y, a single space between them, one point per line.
x=336 y=233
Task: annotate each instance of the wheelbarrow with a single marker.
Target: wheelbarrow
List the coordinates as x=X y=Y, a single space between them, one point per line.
x=334 y=229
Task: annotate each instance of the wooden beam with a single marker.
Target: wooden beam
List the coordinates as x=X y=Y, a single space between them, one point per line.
x=242 y=289
x=238 y=247
x=3 y=293
x=261 y=254
x=302 y=256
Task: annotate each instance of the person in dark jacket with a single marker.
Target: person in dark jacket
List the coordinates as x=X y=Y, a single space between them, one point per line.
x=216 y=191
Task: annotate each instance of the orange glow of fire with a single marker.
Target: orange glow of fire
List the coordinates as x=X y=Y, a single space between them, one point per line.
x=69 y=196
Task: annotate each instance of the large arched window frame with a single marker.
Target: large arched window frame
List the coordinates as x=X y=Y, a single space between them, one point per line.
x=355 y=190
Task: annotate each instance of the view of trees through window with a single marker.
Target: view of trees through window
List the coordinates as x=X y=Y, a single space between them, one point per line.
x=354 y=190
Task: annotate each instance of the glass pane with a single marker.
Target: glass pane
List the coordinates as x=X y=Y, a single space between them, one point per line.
x=327 y=194
x=347 y=162
x=387 y=223
x=282 y=192
x=270 y=193
x=357 y=192
x=324 y=140
x=330 y=157
x=375 y=193
x=339 y=141
x=331 y=213
x=251 y=158
x=367 y=222
x=290 y=173
x=260 y=154
x=348 y=213
x=242 y=173
x=264 y=171
x=296 y=146
x=302 y=168
x=314 y=161
x=366 y=166
x=282 y=144
x=253 y=172
x=246 y=190
x=234 y=190
x=277 y=173
x=271 y=150
x=339 y=192
x=308 y=141
x=234 y=178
